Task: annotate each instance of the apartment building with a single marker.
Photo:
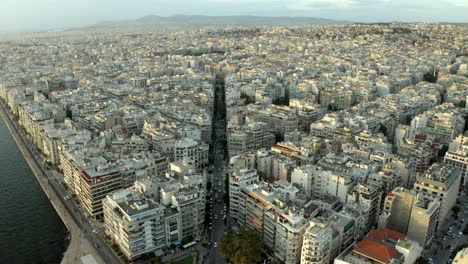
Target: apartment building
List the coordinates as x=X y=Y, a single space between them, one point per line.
x=189 y=149
x=369 y=197
x=250 y=137
x=410 y=213
x=423 y=221
x=138 y=225
x=457 y=155
x=318 y=246
x=445 y=122
x=441 y=182
x=90 y=178
x=238 y=180
x=277 y=213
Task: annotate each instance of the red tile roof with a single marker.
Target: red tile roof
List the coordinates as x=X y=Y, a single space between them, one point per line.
x=375 y=251
x=271 y=180
x=420 y=137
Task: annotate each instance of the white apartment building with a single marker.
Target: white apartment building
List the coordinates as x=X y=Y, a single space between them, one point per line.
x=457 y=155
x=237 y=181
x=138 y=224
x=290 y=228
x=304 y=177
x=189 y=149
x=444 y=121
x=318 y=246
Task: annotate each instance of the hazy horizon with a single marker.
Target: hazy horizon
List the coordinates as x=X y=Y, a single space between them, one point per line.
x=29 y=15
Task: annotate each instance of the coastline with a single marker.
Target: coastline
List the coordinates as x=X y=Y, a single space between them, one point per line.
x=78 y=245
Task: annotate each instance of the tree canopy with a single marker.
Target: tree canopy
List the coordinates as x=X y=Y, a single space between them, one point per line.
x=242 y=247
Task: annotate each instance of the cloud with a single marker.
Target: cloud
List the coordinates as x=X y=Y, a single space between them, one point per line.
x=334 y=4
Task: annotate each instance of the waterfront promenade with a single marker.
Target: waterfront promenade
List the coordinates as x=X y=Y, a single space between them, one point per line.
x=83 y=241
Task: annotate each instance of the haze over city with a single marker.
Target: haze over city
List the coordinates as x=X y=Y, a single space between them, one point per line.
x=31 y=15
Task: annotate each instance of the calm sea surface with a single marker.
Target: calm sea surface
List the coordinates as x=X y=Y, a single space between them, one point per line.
x=30 y=229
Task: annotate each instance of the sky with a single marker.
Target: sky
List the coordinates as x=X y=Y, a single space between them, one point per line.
x=30 y=15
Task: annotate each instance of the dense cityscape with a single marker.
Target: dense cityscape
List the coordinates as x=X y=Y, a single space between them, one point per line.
x=315 y=144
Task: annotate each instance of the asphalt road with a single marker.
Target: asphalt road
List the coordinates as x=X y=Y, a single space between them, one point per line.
x=217 y=210
x=440 y=251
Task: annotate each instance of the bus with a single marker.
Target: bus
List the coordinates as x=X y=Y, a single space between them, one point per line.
x=189 y=244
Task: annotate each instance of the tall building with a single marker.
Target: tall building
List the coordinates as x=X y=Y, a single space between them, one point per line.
x=369 y=197
x=237 y=181
x=457 y=155
x=304 y=177
x=90 y=179
x=411 y=213
x=290 y=228
x=138 y=225
x=423 y=221
x=440 y=182
x=317 y=245
x=252 y=136
x=278 y=214
x=157 y=212
x=397 y=209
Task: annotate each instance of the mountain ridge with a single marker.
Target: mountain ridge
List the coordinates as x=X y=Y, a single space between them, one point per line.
x=204 y=20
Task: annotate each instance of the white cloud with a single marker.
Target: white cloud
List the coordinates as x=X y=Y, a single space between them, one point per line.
x=335 y=4
x=318 y=4
x=240 y=1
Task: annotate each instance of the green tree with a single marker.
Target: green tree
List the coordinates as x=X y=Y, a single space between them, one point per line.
x=422 y=261
x=383 y=129
x=241 y=248
x=157 y=260
x=429 y=77
x=443 y=151
x=248 y=99
x=226 y=189
x=281 y=101
x=187 y=240
x=456 y=209
x=209 y=185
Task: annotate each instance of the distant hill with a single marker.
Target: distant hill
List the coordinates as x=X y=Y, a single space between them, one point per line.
x=204 y=21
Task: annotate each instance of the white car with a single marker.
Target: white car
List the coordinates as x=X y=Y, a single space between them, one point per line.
x=215 y=244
